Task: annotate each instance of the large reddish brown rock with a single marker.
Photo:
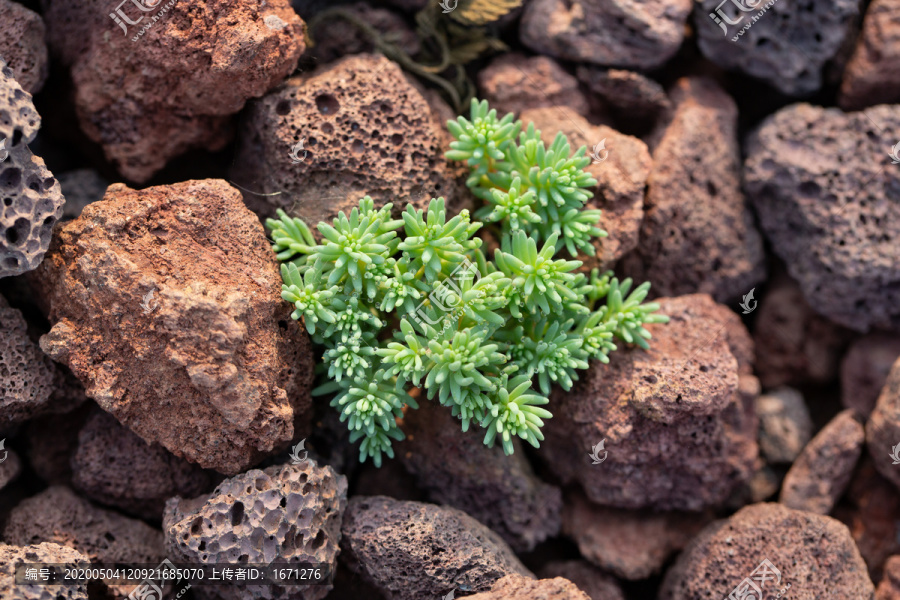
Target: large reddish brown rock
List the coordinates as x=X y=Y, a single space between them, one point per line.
x=509 y=84
x=515 y=587
x=678 y=418
x=865 y=368
x=589 y=579
x=196 y=350
x=873 y=74
x=47 y=553
x=22 y=45
x=889 y=588
x=883 y=429
x=150 y=91
x=814 y=556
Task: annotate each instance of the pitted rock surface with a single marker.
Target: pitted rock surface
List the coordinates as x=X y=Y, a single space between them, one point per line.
x=516 y=586
x=198 y=352
x=19 y=121
x=514 y=83
x=784 y=425
x=814 y=554
x=57 y=515
x=780 y=47
x=638 y=35
x=589 y=579
x=883 y=428
x=22 y=45
x=889 y=588
x=13 y=556
x=113 y=466
x=412 y=550
x=365 y=130
x=865 y=368
x=821 y=473
x=288 y=513
x=174 y=87
x=824 y=191
x=693 y=390
x=10 y=467
x=698 y=233
x=873 y=74
x=26 y=373
x=458 y=470
x=627 y=96
x=621 y=179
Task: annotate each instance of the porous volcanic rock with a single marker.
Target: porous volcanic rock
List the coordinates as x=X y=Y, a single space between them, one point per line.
x=458 y=470
x=889 y=588
x=883 y=428
x=412 y=550
x=627 y=96
x=22 y=45
x=197 y=351
x=148 y=92
x=10 y=467
x=514 y=83
x=589 y=579
x=335 y=37
x=678 y=419
x=779 y=47
x=698 y=233
x=80 y=187
x=284 y=513
x=823 y=187
x=113 y=466
x=784 y=425
x=515 y=587
x=57 y=515
x=814 y=555
x=621 y=179
x=639 y=35
x=873 y=74
x=823 y=470
x=47 y=553
x=865 y=368
x=365 y=129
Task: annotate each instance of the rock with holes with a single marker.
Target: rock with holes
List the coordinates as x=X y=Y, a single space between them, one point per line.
x=514 y=83
x=46 y=553
x=22 y=45
x=809 y=556
x=170 y=82
x=865 y=368
x=589 y=579
x=628 y=97
x=196 y=349
x=698 y=233
x=889 y=588
x=411 y=550
x=113 y=466
x=677 y=419
x=883 y=428
x=784 y=425
x=516 y=586
x=825 y=190
x=364 y=129
x=638 y=35
x=285 y=513
x=873 y=74
x=785 y=44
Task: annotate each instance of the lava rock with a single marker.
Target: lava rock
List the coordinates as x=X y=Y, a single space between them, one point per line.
x=113 y=466
x=196 y=350
x=171 y=81
x=678 y=419
x=883 y=428
x=80 y=187
x=634 y=35
x=813 y=554
x=784 y=425
x=589 y=579
x=514 y=83
x=516 y=586
x=823 y=470
x=889 y=588
x=412 y=550
x=22 y=45
x=787 y=46
x=820 y=183
x=627 y=96
x=46 y=553
x=458 y=470
x=10 y=468
x=865 y=368
x=873 y=74
x=698 y=234
x=336 y=37
x=284 y=513
x=21 y=121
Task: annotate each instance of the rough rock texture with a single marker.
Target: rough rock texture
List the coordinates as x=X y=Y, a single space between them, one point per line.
x=883 y=428
x=628 y=96
x=198 y=352
x=513 y=587
x=589 y=579
x=10 y=467
x=336 y=38
x=12 y=556
x=81 y=187
x=22 y=45
x=32 y=201
x=57 y=515
x=678 y=419
x=639 y=35
x=823 y=470
x=514 y=83
x=114 y=466
x=411 y=550
x=288 y=513
x=698 y=234
x=26 y=374
x=147 y=100
x=787 y=46
x=621 y=179
x=824 y=191
x=889 y=588
x=459 y=471
x=814 y=554
x=873 y=74
x=784 y=425
x=628 y=544
x=51 y=442
x=365 y=130
x=865 y=368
